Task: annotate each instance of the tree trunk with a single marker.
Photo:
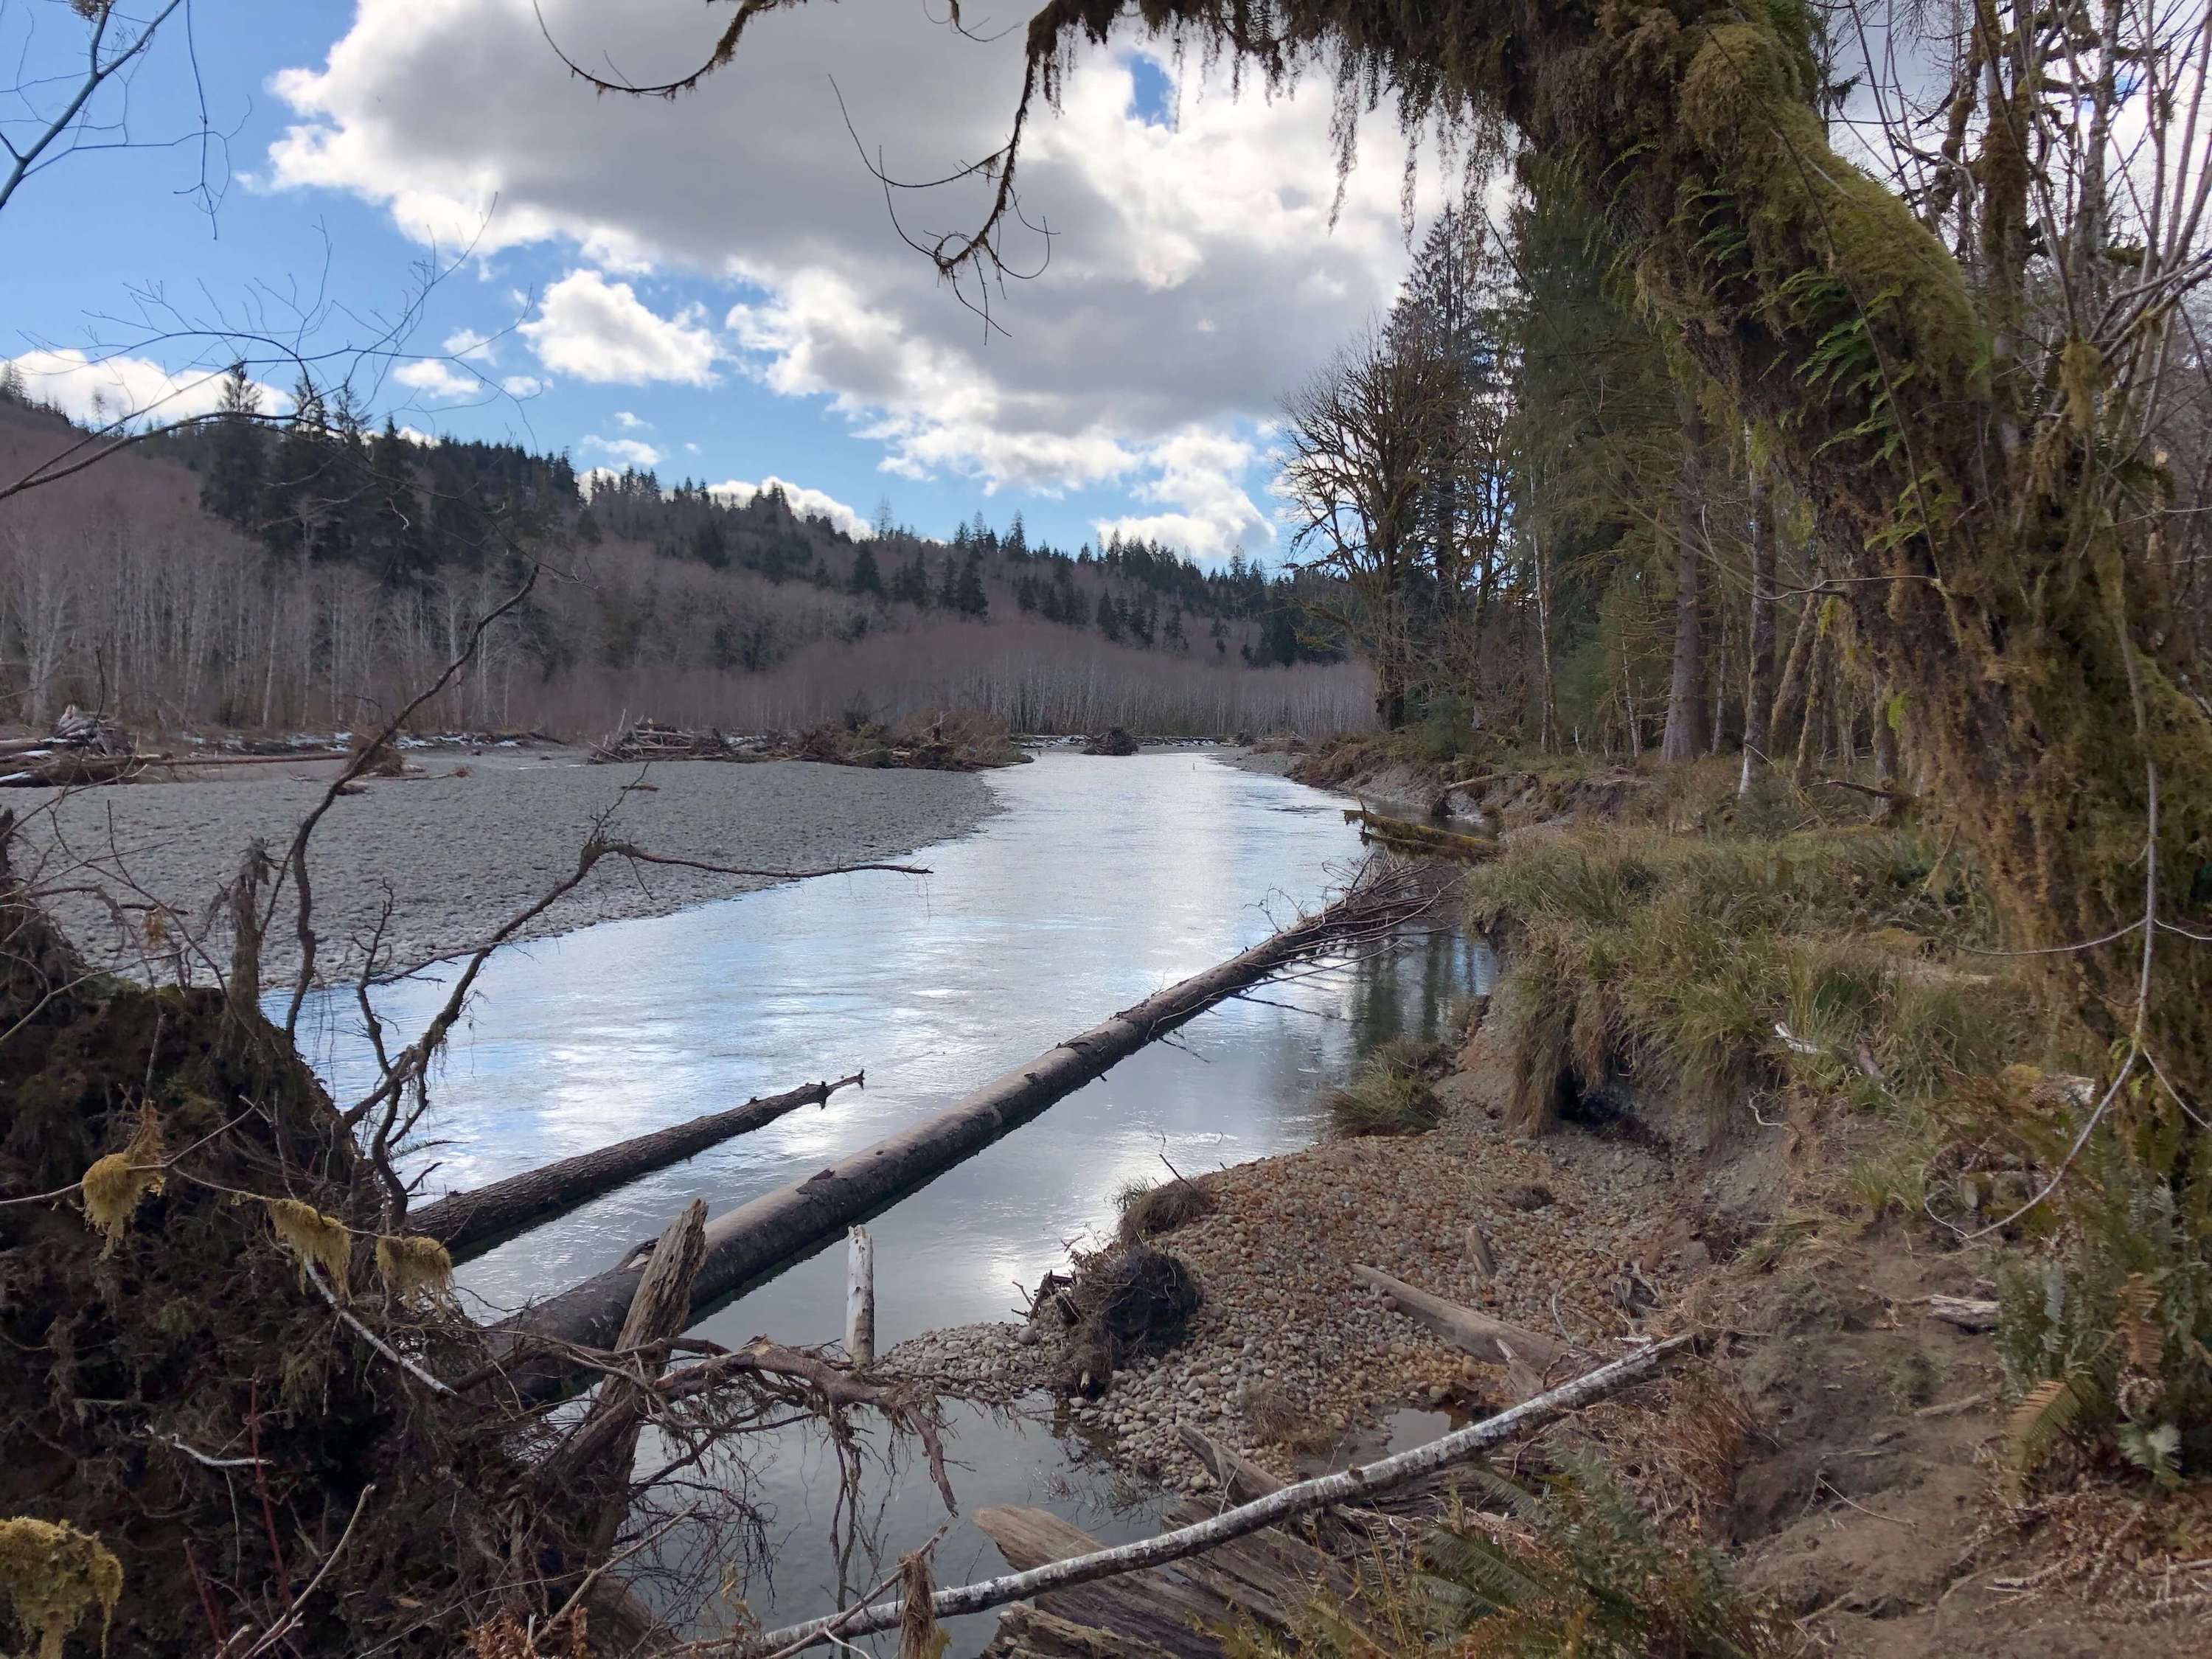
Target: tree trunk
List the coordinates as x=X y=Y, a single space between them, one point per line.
x=1685 y=695
x=1820 y=689
x=469 y=1224
x=1759 y=685
x=758 y=1240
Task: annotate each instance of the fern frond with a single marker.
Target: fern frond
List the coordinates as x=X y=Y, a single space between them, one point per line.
x=2041 y=1420
x=2140 y=1327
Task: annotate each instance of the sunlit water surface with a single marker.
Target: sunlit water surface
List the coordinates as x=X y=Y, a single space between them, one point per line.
x=1098 y=882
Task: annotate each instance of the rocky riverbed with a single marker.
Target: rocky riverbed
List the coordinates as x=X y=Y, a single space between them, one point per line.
x=1291 y=1361
x=456 y=851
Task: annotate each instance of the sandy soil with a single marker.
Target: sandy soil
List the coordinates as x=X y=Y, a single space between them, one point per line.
x=461 y=848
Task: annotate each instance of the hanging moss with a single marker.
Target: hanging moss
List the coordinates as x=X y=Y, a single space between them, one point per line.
x=317 y=1239
x=114 y=1185
x=412 y=1265
x=51 y=1576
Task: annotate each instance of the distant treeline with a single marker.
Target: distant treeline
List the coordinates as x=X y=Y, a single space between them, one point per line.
x=311 y=571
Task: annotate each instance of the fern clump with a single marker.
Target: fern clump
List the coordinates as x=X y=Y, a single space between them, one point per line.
x=2107 y=1340
x=1577 y=1568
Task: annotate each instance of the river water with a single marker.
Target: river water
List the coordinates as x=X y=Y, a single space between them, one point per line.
x=1097 y=882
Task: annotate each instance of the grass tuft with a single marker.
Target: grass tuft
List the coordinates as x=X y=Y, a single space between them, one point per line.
x=1149 y=1208
x=1393 y=1092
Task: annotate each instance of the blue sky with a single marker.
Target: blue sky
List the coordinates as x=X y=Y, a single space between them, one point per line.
x=715 y=283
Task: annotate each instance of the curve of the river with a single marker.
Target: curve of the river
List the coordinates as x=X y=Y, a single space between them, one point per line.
x=1098 y=881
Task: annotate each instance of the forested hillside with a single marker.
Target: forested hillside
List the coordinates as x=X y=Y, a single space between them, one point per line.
x=255 y=574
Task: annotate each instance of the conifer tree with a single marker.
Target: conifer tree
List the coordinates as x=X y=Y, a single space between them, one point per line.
x=234 y=485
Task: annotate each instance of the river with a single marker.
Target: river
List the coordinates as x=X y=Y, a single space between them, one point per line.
x=1098 y=881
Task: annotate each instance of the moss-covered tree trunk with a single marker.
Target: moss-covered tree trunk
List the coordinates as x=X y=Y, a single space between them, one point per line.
x=1686 y=734
x=2001 y=601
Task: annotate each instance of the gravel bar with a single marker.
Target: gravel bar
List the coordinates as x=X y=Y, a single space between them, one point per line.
x=460 y=850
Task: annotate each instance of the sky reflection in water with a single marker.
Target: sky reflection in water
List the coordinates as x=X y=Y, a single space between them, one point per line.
x=1100 y=881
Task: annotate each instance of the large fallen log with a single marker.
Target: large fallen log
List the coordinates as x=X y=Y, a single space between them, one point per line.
x=1469 y=1328
x=1345 y=1485
x=1403 y=836
x=759 y=1239
x=470 y=1224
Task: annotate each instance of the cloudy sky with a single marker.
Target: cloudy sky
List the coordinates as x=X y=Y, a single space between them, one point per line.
x=714 y=286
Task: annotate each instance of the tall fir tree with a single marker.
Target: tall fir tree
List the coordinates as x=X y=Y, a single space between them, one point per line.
x=233 y=488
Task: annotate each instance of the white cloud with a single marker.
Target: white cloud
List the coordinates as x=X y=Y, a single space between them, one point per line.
x=467 y=343
x=415 y=435
x=104 y=389
x=629 y=423
x=1194 y=273
x=633 y=450
x=601 y=332
x=435 y=378
x=807 y=504
x=1197 y=472
x=523 y=385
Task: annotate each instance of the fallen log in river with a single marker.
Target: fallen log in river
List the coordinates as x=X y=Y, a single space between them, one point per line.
x=754 y=1242
x=469 y=1224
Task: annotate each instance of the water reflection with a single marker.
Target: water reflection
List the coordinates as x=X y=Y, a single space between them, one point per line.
x=1099 y=881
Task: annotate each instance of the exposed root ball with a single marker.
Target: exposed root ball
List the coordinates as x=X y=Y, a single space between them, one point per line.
x=1113 y=741
x=1147 y=1209
x=50 y=1575
x=1129 y=1300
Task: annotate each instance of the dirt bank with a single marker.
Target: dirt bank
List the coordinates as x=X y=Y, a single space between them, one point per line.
x=1836 y=1439
x=468 y=844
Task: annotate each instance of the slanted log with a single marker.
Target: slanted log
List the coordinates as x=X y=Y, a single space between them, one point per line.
x=1239 y=1478
x=470 y=1224
x=758 y=1240
x=1480 y=1258
x=600 y=1452
x=1158 y=1609
x=1345 y=1485
x=1028 y=1633
x=1467 y=1328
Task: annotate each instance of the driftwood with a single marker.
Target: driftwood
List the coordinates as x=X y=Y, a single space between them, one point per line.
x=1467 y=1328
x=759 y=1239
x=1345 y=1485
x=1480 y=1256
x=1402 y=835
x=603 y=1449
x=1973 y=1313
x=860 y=1297
x=469 y=1224
x=1239 y=1478
x=1027 y=1632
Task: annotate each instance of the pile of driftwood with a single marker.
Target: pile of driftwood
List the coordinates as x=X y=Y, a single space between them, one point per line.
x=82 y=748
x=87 y=748
x=649 y=740
x=960 y=740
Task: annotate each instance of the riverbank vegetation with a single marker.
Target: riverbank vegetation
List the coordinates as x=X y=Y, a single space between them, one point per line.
x=1901 y=926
